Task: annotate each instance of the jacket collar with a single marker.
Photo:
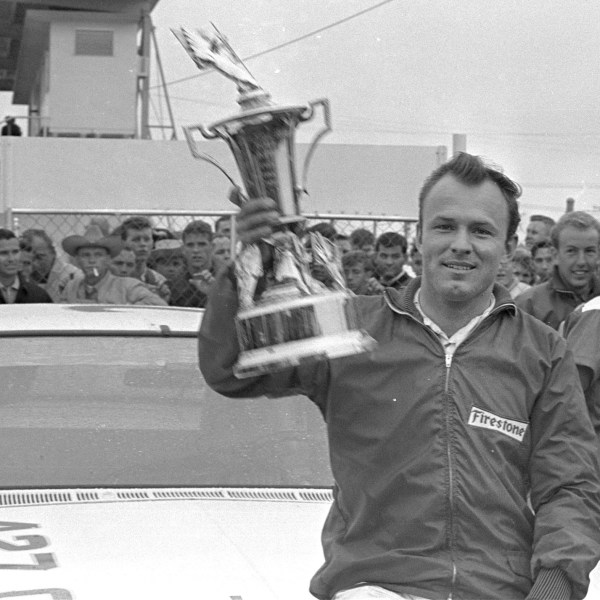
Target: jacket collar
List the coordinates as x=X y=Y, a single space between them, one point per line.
x=557 y=283
x=403 y=299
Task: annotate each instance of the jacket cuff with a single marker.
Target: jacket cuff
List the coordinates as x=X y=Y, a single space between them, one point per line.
x=550 y=584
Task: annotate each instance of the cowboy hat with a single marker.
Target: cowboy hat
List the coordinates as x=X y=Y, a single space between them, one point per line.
x=72 y=244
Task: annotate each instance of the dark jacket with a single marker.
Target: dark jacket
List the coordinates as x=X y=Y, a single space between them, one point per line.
x=183 y=293
x=435 y=460
x=29 y=293
x=552 y=302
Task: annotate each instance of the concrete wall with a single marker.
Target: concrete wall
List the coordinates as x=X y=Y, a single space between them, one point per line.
x=65 y=173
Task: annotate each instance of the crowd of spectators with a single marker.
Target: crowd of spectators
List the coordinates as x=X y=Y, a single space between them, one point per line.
x=553 y=270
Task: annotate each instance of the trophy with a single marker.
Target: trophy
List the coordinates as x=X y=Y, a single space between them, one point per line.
x=286 y=314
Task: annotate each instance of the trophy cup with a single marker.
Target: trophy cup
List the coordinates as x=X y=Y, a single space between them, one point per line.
x=286 y=316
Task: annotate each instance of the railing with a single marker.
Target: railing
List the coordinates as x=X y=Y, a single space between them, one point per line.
x=59 y=223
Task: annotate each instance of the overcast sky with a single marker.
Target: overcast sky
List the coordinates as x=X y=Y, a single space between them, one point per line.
x=520 y=79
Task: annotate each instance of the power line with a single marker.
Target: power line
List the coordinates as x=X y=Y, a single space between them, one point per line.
x=292 y=41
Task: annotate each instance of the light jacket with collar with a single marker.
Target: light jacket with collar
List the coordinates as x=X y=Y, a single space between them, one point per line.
x=552 y=301
x=60 y=274
x=112 y=290
x=434 y=458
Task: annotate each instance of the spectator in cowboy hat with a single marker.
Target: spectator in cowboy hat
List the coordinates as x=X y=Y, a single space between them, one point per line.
x=97 y=284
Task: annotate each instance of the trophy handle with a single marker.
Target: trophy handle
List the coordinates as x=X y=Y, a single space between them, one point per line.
x=324 y=103
x=196 y=153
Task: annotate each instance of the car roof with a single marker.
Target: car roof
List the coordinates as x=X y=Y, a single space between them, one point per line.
x=96 y=319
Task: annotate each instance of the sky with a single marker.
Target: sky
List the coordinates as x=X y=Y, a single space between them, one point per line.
x=520 y=79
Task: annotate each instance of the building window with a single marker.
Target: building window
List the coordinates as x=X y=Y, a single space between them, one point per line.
x=93 y=42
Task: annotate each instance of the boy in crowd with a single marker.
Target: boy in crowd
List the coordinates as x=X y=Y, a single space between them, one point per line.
x=358 y=271
x=16 y=289
x=542 y=255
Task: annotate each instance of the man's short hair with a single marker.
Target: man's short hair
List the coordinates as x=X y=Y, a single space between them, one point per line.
x=29 y=234
x=471 y=170
x=327 y=230
x=577 y=219
x=197 y=226
x=357 y=257
x=6 y=234
x=389 y=239
x=340 y=237
x=134 y=224
x=362 y=237
x=540 y=246
x=548 y=221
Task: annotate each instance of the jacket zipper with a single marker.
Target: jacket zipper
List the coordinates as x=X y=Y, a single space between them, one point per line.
x=448 y=360
x=448 y=364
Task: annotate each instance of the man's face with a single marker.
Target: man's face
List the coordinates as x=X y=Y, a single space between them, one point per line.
x=221 y=252
x=94 y=262
x=389 y=261
x=141 y=241
x=123 y=265
x=10 y=258
x=171 y=267
x=43 y=257
x=357 y=278
x=543 y=262
x=197 y=250
x=462 y=240
x=224 y=227
x=505 y=275
x=576 y=256
x=536 y=232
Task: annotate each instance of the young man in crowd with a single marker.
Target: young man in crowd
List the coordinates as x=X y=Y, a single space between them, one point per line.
x=48 y=270
x=137 y=233
x=363 y=239
x=389 y=260
x=223 y=226
x=97 y=285
x=538 y=229
x=221 y=252
x=343 y=244
x=542 y=255
x=191 y=289
x=124 y=263
x=465 y=463
x=575 y=240
x=16 y=289
x=358 y=271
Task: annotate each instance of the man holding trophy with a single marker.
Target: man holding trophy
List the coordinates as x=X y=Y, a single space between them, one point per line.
x=463 y=456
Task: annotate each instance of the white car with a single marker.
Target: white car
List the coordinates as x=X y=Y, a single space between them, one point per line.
x=124 y=476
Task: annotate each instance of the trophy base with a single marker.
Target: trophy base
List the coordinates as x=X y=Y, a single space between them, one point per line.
x=286 y=330
x=276 y=358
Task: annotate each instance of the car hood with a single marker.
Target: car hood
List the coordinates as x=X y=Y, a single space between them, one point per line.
x=194 y=543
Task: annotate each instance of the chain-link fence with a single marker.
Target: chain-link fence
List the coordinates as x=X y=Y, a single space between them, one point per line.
x=60 y=224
